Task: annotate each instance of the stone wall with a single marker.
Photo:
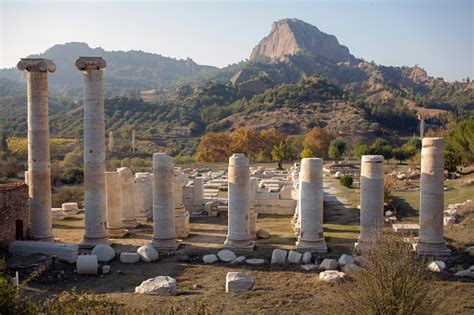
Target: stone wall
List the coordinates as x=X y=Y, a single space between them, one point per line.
x=14 y=212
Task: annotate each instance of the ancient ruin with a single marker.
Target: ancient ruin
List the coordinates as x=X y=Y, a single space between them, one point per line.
x=115 y=227
x=39 y=166
x=94 y=151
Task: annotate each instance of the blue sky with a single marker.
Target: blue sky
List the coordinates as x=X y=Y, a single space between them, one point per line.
x=436 y=35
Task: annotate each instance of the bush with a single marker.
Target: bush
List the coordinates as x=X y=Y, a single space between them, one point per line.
x=10 y=300
x=394 y=281
x=67 y=194
x=346 y=180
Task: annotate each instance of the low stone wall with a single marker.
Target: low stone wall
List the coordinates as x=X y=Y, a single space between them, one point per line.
x=14 y=213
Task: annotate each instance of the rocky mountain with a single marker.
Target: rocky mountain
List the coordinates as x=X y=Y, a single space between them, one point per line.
x=291 y=36
x=125 y=69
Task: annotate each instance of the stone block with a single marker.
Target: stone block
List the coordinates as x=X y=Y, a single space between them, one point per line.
x=263 y=233
x=105 y=269
x=87 y=265
x=226 y=255
x=129 y=258
x=238 y=282
x=309 y=267
x=238 y=260
x=294 y=257
x=437 y=266
x=345 y=260
x=209 y=259
x=328 y=264
x=255 y=261
x=161 y=285
x=332 y=276
x=279 y=257
x=147 y=253
x=104 y=252
x=307 y=257
x=65 y=252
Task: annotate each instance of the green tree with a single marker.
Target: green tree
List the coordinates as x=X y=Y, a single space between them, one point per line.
x=461 y=141
x=360 y=149
x=306 y=153
x=283 y=152
x=337 y=148
x=451 y=160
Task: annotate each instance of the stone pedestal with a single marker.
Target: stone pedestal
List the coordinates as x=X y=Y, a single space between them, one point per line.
x=311 y=238
x=181 y=214
x=164 y=233
x=431 y=241
x=115 y=226
x=128 y=208
x=238 y=237
x=371 y=200
x=198 y=191
x=39 y=167
x=94 y=151
x=252 y=213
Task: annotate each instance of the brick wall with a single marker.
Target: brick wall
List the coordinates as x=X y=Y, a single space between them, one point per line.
x=14 y=212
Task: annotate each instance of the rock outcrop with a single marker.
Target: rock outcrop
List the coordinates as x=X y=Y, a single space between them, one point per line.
x=291 y=36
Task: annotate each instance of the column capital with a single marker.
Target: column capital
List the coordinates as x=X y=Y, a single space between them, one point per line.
x=90 y=63
x=36 y=65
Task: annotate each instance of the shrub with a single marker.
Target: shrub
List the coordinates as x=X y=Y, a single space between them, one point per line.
x=67 y=194
x=10 y=299
x=346 y=180
x=394 y=281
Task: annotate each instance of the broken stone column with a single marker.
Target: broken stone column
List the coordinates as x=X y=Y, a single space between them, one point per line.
x=182 y=215
x=164 y=233
x=253 y=200
x=94 y=151
x=115 y=226
x=238 y=237
x=39 y=167
x=128 y=209
x=148 y=194
x=431 y=241
x=198 y=191
x=371 y=199
x=140 y=183
x=311 y=238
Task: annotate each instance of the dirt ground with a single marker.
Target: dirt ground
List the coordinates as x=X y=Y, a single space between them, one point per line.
x=283 y=289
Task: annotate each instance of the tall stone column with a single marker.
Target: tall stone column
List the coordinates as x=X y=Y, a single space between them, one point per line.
x=182 y=215
x=164 y=233
x=128 y=208
x=94 y=151
x=39 y=167
x=140 y=183
x=431 y=241
x=238 y=237
x=252 y=213
x=115 y=226
x=371 y=199
x=311 y=236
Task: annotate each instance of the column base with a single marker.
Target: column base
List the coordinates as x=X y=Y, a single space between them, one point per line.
x=167 y=245
x=43 y=238
x=117 y=232
x=244 y=246
x=88 y=243
x=130 y=224
x=430 y=249
x=318 y=246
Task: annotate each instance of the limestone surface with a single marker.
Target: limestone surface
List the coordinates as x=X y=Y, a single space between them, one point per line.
x=129 y=258
x=437 y=266
x=65 y=252
x=255 y=261
x=238 y=260
x=87 y=265
x=238 y=282
x=465 y=274
x=263 y=233
x=147 y=253
x=279 y=257
x=345 y=260
x=226 y=255
x=209 y=259
x=307 y=257
x=104 y=252
x=328 y=264
x=161 y=285
x=294 y=257
x=332 y=276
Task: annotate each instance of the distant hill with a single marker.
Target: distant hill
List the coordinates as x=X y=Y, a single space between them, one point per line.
x=126 y=70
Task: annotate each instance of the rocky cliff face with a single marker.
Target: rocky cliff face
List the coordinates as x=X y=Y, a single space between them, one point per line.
x=290 y=36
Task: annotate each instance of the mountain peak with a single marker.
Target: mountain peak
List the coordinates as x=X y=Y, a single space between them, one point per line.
x=290 y=36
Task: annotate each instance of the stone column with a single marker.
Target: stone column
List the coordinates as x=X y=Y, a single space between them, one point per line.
x=39 y=167
x=431 y=241
x=311 y=236
x=128 y=209
x=182 y=216
x=198 y=191
x=371 y=199
x=253 y=200
x=115 y=226
x=94 y=151
x=238 y=237
x=164 y=232
x=140 y=183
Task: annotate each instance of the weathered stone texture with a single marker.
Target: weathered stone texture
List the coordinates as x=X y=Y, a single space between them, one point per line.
x=14 y=212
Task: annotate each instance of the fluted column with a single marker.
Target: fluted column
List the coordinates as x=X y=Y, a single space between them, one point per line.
x=164 y=233
x=371 y=199
x=238 y=237
x=39 y=166
x=311 y=236
x=128 y=207
x=115 y=226
x=182 y=215
x=431 y=241
x=94 y=151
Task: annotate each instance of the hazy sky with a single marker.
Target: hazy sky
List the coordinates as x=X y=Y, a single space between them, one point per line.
x=437 y=35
